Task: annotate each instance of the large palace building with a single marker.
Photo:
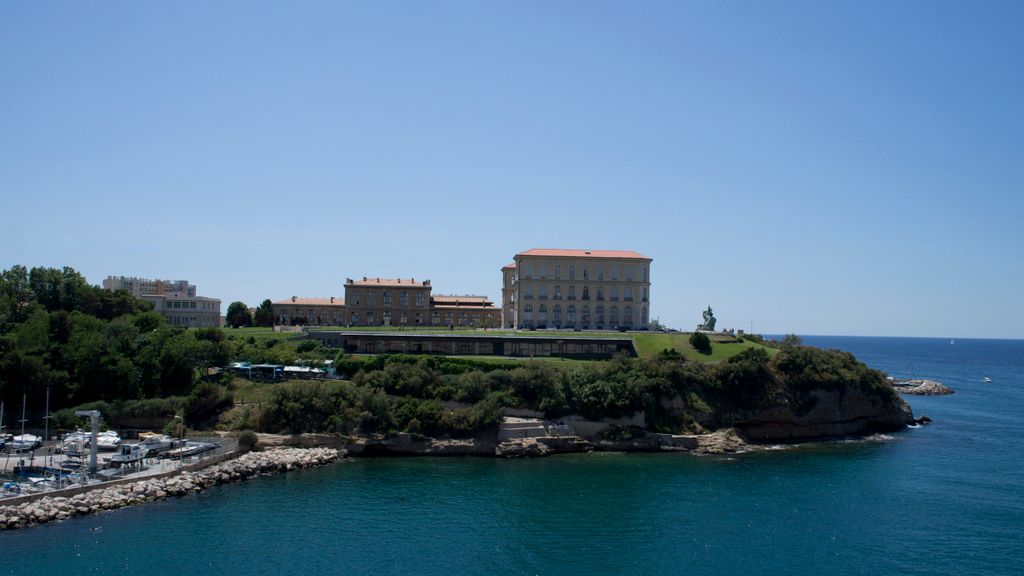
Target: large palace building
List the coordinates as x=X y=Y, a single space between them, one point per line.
x=388 y=302
x=578 y=289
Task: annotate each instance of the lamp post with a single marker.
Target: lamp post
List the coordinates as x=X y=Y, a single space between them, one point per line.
x=181 y=443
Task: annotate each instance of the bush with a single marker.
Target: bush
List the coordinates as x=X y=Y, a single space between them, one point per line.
x=247 y=440
x=206 y=402
x=700 y=342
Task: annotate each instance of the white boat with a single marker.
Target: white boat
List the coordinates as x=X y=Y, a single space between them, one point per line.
x=25 y=442
x=191 y=449
x=986 y=379
x=129 y=454
x=75 y=441
x=107 y=441
x=155 y=443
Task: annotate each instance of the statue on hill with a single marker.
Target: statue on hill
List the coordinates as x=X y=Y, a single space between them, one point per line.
x=709 y=321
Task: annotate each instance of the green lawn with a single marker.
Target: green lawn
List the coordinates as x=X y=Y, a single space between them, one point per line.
x=259 y=333
x=647 y=343
x=722 y=348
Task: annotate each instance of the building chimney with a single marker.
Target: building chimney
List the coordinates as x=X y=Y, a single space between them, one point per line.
x=332 y=299
x=293 y=299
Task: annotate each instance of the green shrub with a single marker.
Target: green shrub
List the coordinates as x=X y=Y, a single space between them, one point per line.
x=700 y=342
x=247 y=440
x=206 y=402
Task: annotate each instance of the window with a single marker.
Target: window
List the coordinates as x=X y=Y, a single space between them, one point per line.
x=600 y=272
x=542 y=314
x=586 y=292
x=646 y=270
x=627 y=315
x=556 y=314
x=645 y=293
x=629 y=273
x=629 y=294
x=643 y=316
x=419 y=299
x=371 y=298
x=386 y=318
x=613 y=316
x=615 y=292
x=615 y=272
x=355 y=296
x=572 y=292
x=572 y=271
x=584 y=272
x=543 y=292
x=571 y=313
x=369 y=319
x=600 y=293
x=403 y=319
x=558 y=271
x=405 y=298
x=543 y=270
x=558 y=292
x=585 y=315
x=387 y=298
x=529 y=270
x=600 y=314
x=528 y=292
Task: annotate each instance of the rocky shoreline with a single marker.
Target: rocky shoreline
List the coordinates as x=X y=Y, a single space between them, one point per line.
x=919 y=387
x=56 y=508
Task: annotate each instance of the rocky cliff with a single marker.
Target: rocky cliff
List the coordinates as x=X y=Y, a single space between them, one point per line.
x=842 y=412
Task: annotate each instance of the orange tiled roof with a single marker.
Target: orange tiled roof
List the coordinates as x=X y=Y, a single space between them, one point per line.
x=509 y=266
x=584 y=253
x=446 y=298
x=312 y=301
x=409 y=282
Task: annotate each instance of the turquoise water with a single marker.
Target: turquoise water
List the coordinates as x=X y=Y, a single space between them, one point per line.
x=940 y=499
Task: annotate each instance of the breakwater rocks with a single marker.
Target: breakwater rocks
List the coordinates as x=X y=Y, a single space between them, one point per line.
x=49 y=509
x=921 y=387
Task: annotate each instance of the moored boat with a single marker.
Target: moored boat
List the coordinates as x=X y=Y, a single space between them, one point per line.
x=24 y=443
x=107 y=441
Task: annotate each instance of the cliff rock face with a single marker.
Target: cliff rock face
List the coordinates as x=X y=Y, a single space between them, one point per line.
x=834 y=413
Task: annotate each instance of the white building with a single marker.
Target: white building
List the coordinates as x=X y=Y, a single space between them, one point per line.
x=176 y=300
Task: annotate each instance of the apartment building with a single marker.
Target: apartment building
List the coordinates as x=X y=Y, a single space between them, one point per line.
x=140 y=286
x=577 y=289
x=176 y=300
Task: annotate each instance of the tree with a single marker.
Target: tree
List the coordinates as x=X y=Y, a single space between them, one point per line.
x=700 y=342
x=792 y=340
x=238 y=315
x=265 y=314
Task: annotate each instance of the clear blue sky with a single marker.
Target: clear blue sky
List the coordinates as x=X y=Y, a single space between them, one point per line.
x=816 y=167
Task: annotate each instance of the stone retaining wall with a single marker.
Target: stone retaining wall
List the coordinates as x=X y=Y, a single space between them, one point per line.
x=109 y=497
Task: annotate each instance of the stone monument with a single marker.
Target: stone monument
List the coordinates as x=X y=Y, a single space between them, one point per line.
x=709 y=321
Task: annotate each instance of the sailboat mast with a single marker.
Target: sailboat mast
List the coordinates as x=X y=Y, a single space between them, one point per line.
x=46 y=418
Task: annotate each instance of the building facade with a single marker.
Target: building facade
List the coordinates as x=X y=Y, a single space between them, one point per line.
x=142 y=286
x=186 y=311
x=389 y=302
x=175 y=300
x=309 y=311
x=577 y=289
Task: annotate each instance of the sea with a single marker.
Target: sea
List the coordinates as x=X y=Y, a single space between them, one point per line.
x=944 y=498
